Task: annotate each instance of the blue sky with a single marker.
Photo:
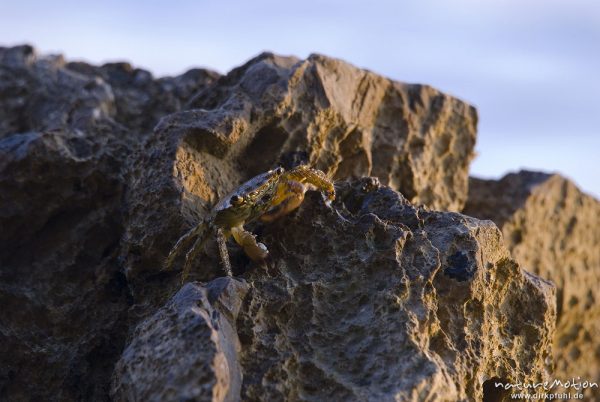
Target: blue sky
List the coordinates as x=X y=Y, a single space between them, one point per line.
x=532 y=67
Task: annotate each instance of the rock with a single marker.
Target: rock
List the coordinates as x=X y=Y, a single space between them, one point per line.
x=188 y=350
x=39 y=94
x=140 y=100
x=343 y=120
x=349 y=122
x=65 y=145
x=389 y=303
x=46 y=93
x=552 y=229
x=379 y=301
x=64 y=296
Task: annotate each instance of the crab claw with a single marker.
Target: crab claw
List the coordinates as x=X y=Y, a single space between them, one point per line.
x=256 y=251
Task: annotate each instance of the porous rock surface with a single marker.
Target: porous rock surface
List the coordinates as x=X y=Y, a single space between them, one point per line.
x=413 y=304
x=349 y=122
x=373 y=300
x=553 y=230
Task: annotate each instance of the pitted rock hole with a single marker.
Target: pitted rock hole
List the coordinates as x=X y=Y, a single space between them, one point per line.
x=460 y=267
x=491 y=393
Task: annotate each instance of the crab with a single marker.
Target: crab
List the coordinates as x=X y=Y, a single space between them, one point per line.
x=264 y=198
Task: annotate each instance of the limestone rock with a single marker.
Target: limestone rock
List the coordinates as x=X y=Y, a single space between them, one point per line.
x=140 y=100
x=38 y=94
x=187 y=350
x=552 y=229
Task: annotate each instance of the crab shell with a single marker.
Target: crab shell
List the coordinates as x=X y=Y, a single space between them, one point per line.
x=249 y=201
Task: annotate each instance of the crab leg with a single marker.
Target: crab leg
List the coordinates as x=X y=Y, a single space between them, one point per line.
x=197 y=232
x=313 y=179
x=191 y=255
x=256 y=251
x=222 y=242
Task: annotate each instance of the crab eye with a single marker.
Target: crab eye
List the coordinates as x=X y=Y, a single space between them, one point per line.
x=235 y=200
x=279 y=171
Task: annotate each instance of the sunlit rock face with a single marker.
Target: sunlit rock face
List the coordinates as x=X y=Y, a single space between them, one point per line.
x=348 y=121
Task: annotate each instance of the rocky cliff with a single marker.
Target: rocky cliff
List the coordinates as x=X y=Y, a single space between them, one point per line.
x=382 y=296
